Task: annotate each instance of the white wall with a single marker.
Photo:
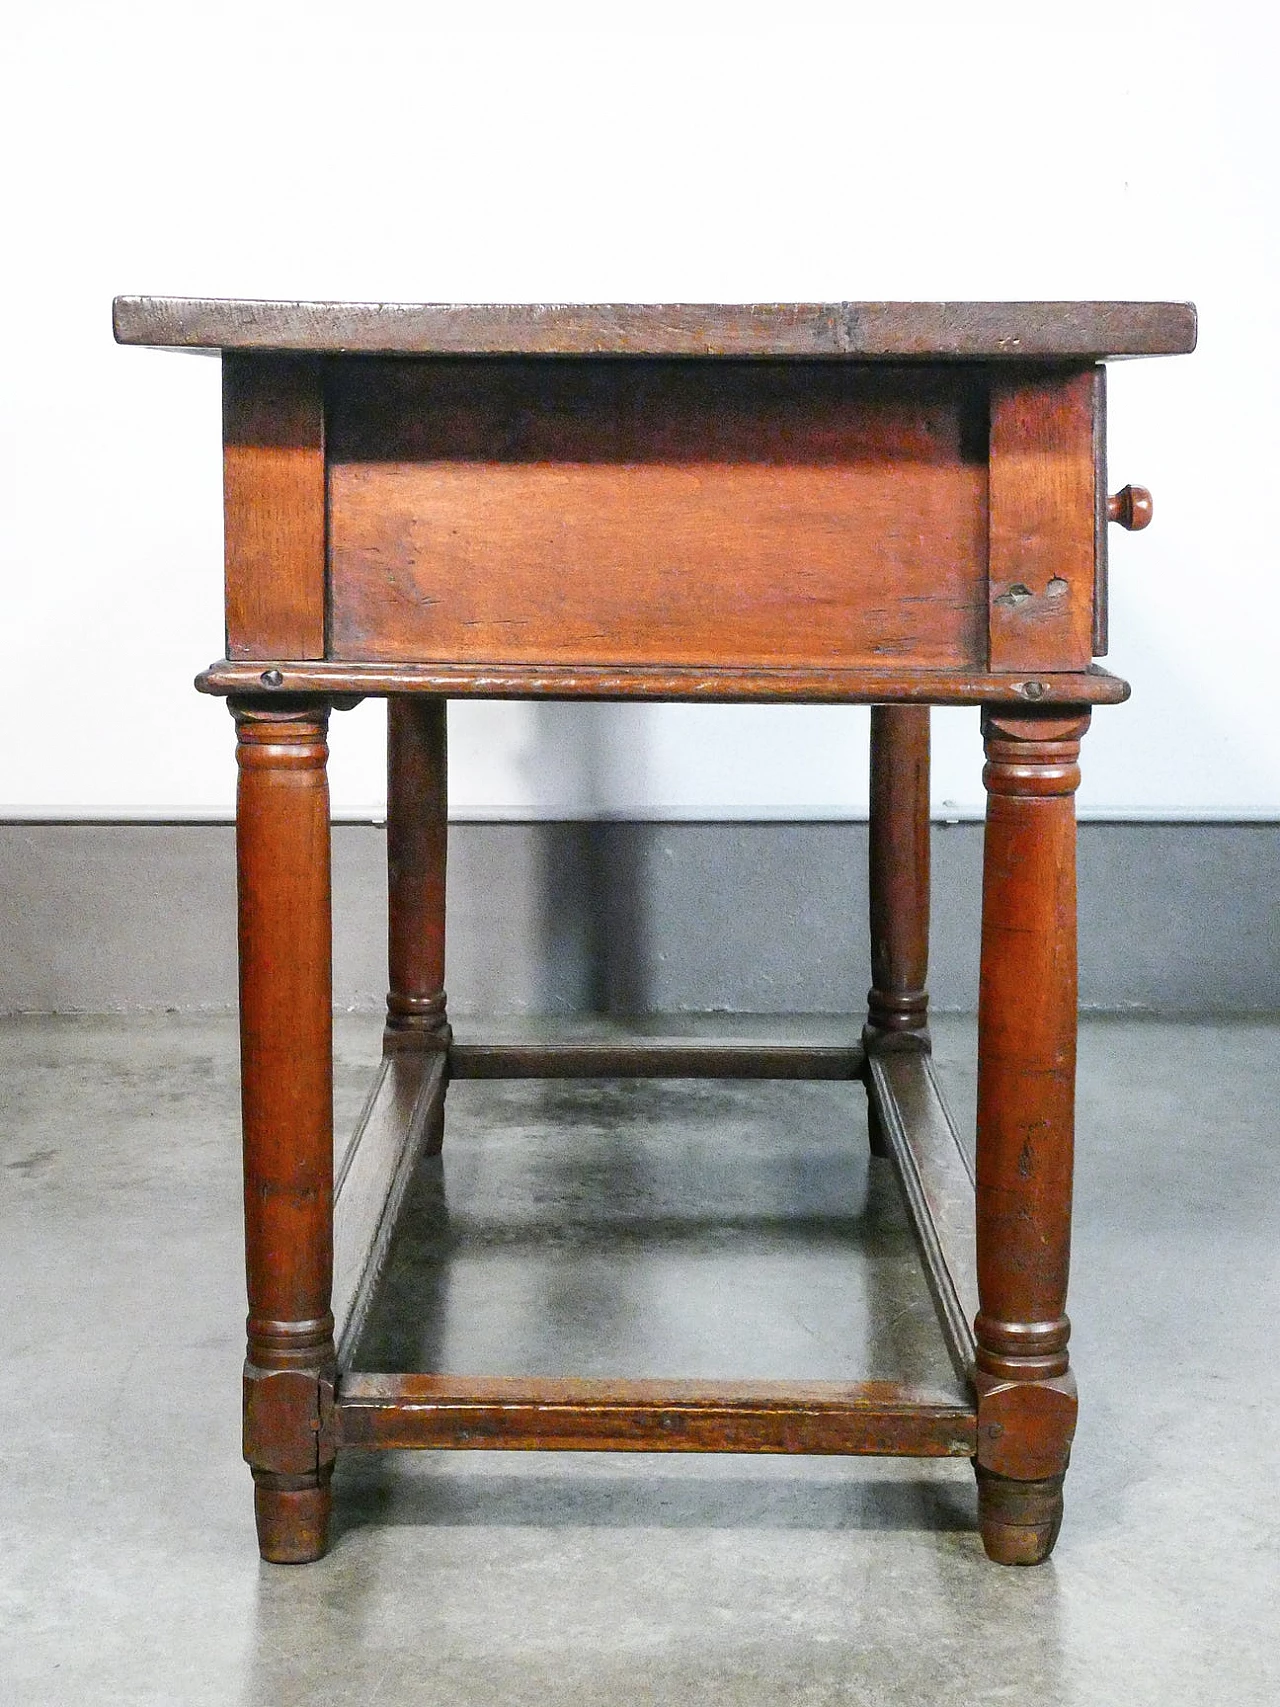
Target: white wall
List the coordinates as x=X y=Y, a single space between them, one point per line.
x=674 y=151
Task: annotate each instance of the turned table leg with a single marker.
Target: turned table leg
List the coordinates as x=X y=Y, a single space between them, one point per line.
x=1026 y=1100
x=417 y=846
x=898 y=884
x=286 y=1066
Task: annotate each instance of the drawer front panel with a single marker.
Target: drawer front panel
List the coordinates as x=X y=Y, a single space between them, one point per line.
x=621 y=512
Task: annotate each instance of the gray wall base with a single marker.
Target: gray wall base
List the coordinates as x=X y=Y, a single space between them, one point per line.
x=632 y=918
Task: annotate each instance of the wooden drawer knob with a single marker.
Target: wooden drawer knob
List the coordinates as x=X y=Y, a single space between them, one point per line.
x=1131 y=507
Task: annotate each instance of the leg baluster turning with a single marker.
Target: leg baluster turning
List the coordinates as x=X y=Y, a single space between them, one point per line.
x=286 y=1064
x=417 y=834
x=1026 y=1097
x=898 y=881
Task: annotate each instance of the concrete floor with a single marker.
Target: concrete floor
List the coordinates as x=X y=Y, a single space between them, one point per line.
x=696 y=1229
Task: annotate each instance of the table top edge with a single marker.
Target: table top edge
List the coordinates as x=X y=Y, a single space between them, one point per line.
x=851 y=331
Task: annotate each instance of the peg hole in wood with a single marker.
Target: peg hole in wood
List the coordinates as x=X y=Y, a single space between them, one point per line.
x=1016 y=595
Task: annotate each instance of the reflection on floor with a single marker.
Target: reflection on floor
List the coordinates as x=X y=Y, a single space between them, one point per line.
x=700 y=1228
x=692 y=1228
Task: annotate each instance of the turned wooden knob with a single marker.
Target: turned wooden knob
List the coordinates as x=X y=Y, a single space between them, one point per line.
x=1131 y=507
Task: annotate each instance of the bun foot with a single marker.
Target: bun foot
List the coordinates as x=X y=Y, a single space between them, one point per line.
x=1019 y=1520
x=292 y=1515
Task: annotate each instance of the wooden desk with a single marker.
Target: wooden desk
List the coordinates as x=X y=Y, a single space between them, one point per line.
x=894 y=504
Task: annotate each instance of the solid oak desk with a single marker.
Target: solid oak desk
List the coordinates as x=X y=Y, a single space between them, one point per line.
x=894 y=504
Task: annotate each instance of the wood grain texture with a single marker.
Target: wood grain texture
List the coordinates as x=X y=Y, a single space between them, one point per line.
x=274 y=505
x=417 y=854
x=655 y=1058
x=898 y=879
x=718 y=686
x=937 y=1189
x=857 y=330
x=1044 y=505
x=395 y=1128
x=1026 y=1098
x=286 y=1076
x=633 y=513
x=540 y=1414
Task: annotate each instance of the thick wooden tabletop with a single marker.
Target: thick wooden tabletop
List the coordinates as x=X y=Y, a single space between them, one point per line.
x=859 y=331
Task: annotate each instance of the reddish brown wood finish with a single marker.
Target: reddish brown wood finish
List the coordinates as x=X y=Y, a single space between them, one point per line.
x=641 y=513
x=274 y=504
x=892 y=504
x=1101 y=555
x=712 y=685
x=417 y=849
x=570 y=1414
x=936 y=1179
x=898 y=886
x=282 y=851
x=1131 y=508
x=402 y=1114
x=898 y=1003
x=1026 y=1096
x=1043 y=521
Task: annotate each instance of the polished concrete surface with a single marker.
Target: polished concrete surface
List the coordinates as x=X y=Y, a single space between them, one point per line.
x=697 y=1228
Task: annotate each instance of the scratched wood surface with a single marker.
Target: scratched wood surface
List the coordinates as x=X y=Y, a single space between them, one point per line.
x=538 y=1413
x=653 y=512
x=1044 y=529
x=864 y=331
